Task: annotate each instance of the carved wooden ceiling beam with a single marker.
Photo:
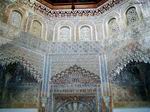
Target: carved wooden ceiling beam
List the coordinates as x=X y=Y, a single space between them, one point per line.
x=68 y=4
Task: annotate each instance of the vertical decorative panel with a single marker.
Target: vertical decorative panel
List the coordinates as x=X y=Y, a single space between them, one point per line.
x=131 y=15
x=65 y=33
x=85 y=33
x=113 y=27
x=36 y=28
x=16 y=19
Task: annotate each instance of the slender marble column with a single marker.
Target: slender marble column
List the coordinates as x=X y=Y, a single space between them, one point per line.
x=48 y=86
x=98 y=99
x=103 y=71
x=45 y=84
x=105 y=89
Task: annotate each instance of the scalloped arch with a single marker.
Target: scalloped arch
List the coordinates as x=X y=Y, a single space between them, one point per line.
x=75 y=74
x=25 y=63
x=136 y=55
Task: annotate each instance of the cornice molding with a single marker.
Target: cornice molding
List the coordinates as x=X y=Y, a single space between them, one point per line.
x=72 y=13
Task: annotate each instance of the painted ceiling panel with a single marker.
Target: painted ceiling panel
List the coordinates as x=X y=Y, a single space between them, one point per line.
x=67 y=4
x=70 y=1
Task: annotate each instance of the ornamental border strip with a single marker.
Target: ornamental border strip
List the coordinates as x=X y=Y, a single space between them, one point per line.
x=72 y=13
x=34 y=43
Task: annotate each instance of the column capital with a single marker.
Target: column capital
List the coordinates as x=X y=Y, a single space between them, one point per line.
x=43 y=101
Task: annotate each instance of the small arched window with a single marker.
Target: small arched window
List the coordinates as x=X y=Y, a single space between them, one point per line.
x=36 y=28
x=132 y=16
x=113 y=27
x=85 y=33
x=65 y=33
x=16 y=19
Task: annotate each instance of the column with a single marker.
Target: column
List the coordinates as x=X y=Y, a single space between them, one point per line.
x=103 y=72
x=45 y=83
x=105 y=89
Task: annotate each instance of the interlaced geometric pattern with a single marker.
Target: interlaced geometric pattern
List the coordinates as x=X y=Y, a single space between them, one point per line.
x=113 y=26
x=132 y=15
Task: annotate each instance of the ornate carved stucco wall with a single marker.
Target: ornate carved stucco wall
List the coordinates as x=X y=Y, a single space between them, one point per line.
x=47 y=56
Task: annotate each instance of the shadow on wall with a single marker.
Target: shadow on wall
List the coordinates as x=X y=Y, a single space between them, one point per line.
x=131 y=88
x=18 y=88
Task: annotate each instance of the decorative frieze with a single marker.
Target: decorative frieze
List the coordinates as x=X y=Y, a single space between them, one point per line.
x=68 y=13
x=33 y=43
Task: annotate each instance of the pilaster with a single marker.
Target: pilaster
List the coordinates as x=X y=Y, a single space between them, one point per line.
x=104 y=98
x=45 y=83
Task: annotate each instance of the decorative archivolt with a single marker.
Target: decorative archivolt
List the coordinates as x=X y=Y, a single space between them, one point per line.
x=132 y=16
x=16 y=19
x=10 y=60
x=111 y=24
x=75 y=75
x=86 y=31
x=113 y=27
x=64 y=34
x=36 y=26
x=6 y=61
x=16 y=16
x=64 y=31
x=132 y=12
x=135 y=54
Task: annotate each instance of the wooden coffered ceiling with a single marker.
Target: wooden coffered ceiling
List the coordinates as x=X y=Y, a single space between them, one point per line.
x=67 y=4
x=70 y=1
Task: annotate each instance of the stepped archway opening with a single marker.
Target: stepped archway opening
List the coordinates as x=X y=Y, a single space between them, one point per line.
x=18 y=88
x=131 y=87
